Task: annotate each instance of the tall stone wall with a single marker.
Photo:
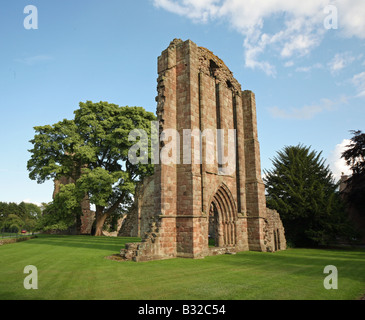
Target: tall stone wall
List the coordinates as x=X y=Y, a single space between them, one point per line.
x=197 y=92
x=141 y=215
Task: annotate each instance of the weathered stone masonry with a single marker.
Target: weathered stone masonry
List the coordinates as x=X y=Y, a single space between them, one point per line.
x=194 y=202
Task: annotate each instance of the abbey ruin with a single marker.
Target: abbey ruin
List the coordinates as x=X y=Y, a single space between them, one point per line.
x=193 y=210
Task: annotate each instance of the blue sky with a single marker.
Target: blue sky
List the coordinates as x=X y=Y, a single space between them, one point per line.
x=309 y=80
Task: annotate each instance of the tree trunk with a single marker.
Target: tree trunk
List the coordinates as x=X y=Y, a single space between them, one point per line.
x=78 y=224
x=101 y=216
x=100 y=220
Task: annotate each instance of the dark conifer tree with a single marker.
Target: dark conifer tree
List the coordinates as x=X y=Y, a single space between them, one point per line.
x=301 y=187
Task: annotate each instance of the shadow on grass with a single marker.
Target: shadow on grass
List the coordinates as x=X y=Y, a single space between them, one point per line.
x=86 y=242
x=350 y=262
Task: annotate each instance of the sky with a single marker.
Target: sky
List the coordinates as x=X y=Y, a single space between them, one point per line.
x=305 y=62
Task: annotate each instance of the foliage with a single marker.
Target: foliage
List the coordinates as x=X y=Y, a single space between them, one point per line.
x=355 y=158
x=302 y=189
x=92 y=150
x=13 y=223
x=15 y=217
x=111 y=223
x=61 y=213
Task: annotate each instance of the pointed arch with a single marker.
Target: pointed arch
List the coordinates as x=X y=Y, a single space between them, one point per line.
x=226 y=208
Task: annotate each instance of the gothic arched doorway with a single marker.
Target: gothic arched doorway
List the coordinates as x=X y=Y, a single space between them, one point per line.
x=222 y=218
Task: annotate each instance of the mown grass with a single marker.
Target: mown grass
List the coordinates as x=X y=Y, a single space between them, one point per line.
x=75 y=267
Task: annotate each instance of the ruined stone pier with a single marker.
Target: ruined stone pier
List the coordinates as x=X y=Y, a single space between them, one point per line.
x=192 y=209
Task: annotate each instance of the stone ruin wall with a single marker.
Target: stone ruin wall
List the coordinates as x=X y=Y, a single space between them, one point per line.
x=275 y=233
x=140 y=215
x=197 y=91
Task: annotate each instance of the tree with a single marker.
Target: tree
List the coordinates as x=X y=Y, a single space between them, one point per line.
x=33 y=210
x=13 y=223
x=32 y=214
x=63 y=212
x=92 y=150
x=302 y=189
x=3 y=213
x=14 y=217
x=355 y=158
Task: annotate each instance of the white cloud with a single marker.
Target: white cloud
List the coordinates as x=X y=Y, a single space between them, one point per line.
x=298 y=34
x=309 y=68
x=34 y=202
x=199 y=11
x=336 y=163
x=300 y=23
x=351 y=15
x=251 y=58
x=30 y=61
x=359 y=81
x=304 y=113
x=340 y=61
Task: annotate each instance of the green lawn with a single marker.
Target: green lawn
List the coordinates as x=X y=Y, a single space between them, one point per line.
x=75 y=267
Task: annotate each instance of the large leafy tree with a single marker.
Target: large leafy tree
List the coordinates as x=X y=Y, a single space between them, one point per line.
x=14 y=217
x=63 y=212
x=301 y=187
x=355 y=158
x=92 y=150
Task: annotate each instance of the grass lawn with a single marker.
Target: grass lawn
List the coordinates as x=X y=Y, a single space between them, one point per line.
x=75 y=267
